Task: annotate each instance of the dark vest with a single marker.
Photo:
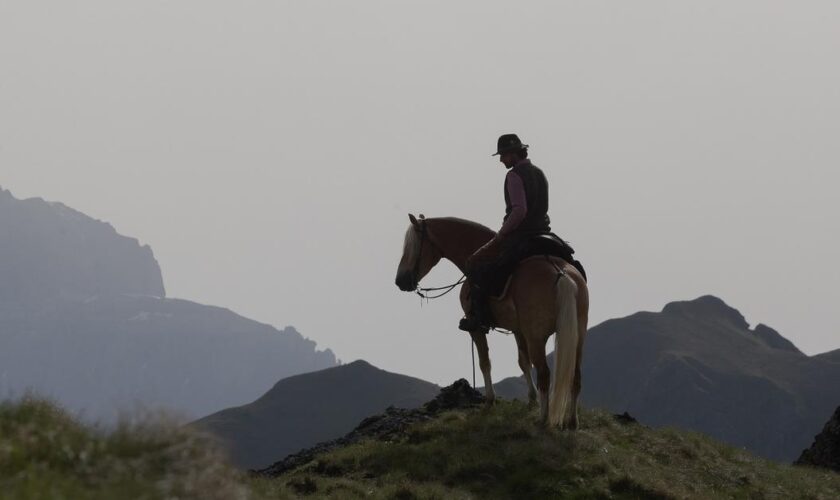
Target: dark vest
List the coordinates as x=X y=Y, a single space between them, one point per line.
x=536 y=194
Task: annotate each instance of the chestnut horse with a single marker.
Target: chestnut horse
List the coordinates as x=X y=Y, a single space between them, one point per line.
x=544 y=296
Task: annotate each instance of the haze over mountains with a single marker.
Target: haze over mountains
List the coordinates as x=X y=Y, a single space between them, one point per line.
x=696 y=365
x=84 y=320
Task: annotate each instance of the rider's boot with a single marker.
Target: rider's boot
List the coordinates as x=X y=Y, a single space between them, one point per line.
x=478 y=318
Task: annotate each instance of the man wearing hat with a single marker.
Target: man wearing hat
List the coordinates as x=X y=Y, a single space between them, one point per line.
x=526 y=213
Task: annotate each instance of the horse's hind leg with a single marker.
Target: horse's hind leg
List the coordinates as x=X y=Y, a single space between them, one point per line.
x=536 y=351
x=583 y=320
x=525 y=365
x=480 y=340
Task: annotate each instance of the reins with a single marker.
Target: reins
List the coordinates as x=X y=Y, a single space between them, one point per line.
x=448 y=289
x=421 y=291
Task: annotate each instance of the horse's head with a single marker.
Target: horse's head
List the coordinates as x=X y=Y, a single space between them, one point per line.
x=420 y=255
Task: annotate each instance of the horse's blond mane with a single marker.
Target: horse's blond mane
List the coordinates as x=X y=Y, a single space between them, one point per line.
x=411 y=246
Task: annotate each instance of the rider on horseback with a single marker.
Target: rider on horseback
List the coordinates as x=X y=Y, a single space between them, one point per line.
x=526 y=214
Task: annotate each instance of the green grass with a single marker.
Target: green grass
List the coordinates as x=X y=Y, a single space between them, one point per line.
x=45 y=454
x=503 y=453
x=485 y=453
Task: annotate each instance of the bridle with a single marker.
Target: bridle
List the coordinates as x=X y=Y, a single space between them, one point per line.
x=420 y=291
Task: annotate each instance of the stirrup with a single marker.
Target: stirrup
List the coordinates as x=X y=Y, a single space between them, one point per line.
x=469 y=324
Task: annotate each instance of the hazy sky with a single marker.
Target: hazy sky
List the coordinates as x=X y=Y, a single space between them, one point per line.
x=269 y=151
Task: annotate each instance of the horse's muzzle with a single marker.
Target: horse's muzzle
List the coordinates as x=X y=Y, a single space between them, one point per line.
x=405 y=282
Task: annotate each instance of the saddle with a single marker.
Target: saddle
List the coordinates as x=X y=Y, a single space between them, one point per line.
x=548 y=244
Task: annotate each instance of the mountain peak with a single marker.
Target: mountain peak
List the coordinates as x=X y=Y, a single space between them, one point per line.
x=312 y=407
x=774 y=339
x=707 y=306
x=360 y=364
x=52 y=250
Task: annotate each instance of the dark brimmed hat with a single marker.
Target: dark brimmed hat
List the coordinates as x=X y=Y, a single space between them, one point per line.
x=508 y=143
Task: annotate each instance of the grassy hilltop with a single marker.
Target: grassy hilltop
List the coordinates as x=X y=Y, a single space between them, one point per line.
x=474 y=453
x=503 y=453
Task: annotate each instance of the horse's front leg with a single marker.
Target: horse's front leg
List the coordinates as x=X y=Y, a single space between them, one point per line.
x=480 y=340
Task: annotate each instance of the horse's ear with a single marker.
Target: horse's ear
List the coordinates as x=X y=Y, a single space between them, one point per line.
x=413 y=220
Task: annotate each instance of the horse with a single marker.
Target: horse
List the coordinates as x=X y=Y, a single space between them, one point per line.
x=545 y=295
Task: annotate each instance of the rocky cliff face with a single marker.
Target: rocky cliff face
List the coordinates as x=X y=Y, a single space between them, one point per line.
x=83 y=320
x=50 y=250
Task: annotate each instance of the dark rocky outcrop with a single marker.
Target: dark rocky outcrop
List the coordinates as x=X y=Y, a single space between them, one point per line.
x=385 y=427
x=825 y=451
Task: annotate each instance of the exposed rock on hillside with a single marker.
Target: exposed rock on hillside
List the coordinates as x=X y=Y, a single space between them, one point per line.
x=386 y=426
x=503 y=452
x=825 y=451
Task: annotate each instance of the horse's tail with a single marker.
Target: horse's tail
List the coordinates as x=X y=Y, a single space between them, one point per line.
x=565 y=352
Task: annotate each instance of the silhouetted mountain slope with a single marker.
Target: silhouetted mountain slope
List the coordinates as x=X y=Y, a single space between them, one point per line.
x=772 y=338
x=49 y=249
x=82 y=321
x=697 y=365
x=830 y=356
x=306 y=409
x=112 y=353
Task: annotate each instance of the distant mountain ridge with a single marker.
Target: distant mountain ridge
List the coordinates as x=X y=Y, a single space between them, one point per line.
x=306 y=409
x=50 y=250
x=83 y=320
x=697 y=365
